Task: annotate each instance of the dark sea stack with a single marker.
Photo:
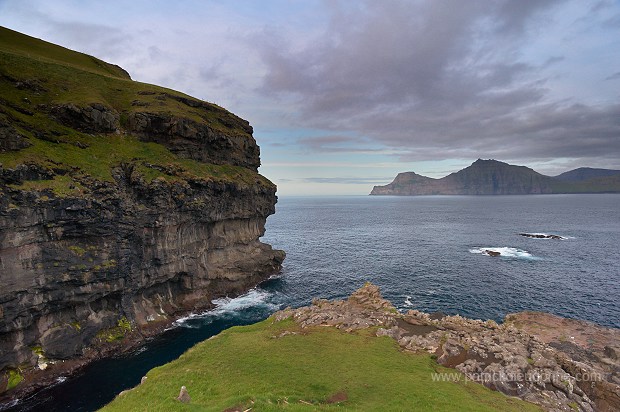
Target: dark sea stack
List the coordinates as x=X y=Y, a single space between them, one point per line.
x=491 y=177
x=122 y=206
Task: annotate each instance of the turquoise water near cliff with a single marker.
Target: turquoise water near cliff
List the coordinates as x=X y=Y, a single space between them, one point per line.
x=424 y=252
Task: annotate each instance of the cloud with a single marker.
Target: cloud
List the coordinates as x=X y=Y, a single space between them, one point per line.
x=341 y=180
x=371 y=82
x=614 y=76
x=337 y=143
x=441 y=80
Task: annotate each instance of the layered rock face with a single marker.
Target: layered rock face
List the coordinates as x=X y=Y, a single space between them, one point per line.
x=122 y=205
x=73 y=267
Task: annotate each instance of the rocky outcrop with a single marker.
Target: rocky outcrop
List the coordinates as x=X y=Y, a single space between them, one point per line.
x=505 y=357
x=491 y=177
x=94 y=118
x=11 y=139
x=492 y=253
x=542 y=236
x=582 y=347
x=193 y=140
x=228 y=141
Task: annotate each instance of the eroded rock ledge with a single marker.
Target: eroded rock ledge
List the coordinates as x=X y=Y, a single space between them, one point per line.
x=514 y=357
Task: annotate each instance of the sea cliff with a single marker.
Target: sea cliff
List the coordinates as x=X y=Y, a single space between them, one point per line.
x=122 y=206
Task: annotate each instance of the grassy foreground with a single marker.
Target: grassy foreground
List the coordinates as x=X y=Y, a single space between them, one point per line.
x=256 y=367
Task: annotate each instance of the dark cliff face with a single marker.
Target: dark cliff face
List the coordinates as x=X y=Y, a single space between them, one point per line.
x=73 y=267
x=490 y=177
x=122 y=205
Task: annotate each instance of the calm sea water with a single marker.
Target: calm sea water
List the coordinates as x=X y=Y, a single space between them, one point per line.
x=424 y=253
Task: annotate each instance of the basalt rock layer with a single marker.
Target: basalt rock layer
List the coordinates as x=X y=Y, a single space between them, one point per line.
x=122 y=205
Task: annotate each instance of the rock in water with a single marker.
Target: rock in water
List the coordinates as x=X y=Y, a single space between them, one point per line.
x=184 y=395
x=492 y=253
x=541 y=236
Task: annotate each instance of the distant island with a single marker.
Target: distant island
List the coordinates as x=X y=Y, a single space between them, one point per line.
x=492 y=177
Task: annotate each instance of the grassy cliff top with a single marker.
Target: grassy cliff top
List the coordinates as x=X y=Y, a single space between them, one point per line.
x=30 y=47
x=36 y=77
x=319 y=368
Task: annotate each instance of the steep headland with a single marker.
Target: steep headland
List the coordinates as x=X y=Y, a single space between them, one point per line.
x=365 y=355
x=122 y=205
x=491 y=177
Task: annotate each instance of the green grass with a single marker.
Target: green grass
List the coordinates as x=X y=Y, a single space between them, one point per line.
x=247 y=367
x=61 y=82
x=122 y=328
x=35 y=48
x=53 y=75
x=104 y=153
x=15 y=378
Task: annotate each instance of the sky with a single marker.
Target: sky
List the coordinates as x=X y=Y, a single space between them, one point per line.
x=345 y=94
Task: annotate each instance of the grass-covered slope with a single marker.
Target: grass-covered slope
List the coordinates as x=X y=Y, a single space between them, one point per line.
x=30 y=47
x=318 y=368
x=38 y=78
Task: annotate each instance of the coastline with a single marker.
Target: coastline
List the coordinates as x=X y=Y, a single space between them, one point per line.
x=504 y=357
x=36 y=380
x=330 y=313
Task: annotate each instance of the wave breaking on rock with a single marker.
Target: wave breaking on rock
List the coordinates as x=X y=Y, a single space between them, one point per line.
x=508 y=252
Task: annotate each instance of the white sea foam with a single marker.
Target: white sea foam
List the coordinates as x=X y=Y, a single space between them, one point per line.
x=255 y=297
x=509 y=252
x=9 y=404
x=61 y=379
x=408 y=301
x=140 y=350
x=225 y=306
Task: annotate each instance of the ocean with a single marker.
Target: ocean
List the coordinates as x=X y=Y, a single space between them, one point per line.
x=426 y=253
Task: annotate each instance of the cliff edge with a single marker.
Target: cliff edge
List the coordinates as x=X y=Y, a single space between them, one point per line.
x=122 y=205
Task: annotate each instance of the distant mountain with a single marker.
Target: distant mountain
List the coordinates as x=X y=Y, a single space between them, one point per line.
x=585 y=173
x=491 y=177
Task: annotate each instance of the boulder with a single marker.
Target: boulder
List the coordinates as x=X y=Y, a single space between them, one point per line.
x=184 y=395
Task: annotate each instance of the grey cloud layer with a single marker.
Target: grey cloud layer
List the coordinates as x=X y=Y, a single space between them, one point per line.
x=418 y=79
x=440 y=80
